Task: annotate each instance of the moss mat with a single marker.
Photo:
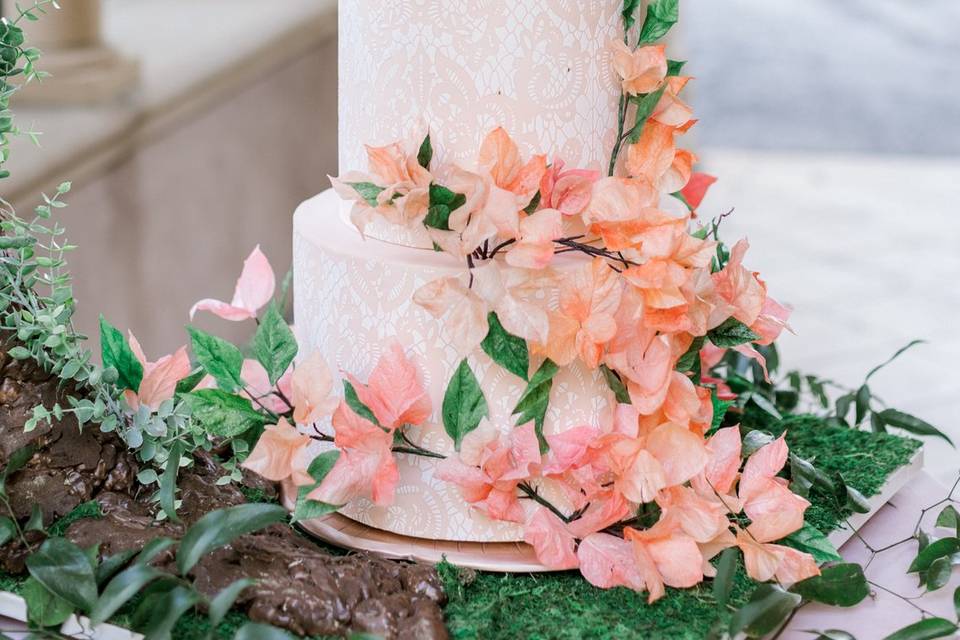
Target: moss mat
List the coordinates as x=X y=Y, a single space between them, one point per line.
x=562 y=606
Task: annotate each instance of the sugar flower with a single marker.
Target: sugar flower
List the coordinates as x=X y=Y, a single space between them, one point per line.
x=641 y=70
x=607 y=561
x=534 y=246
x=767 y=561
x=671 y=110
x=311 y=386
x=774 y=511
x=463 y=312
x=281 y=453
x=567 y=191
x=500 y=157
x=160 y=378
x=254 y=290
x=394 y=392
x=365 y=468
x=665 y=556
x=551 y=541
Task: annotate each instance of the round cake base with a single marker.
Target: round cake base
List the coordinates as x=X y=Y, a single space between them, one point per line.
x=341 y=531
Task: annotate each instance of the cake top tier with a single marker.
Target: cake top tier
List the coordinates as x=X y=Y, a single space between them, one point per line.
x=538 y=68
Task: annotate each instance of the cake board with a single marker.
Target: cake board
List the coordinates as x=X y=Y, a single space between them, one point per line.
x=519 y=557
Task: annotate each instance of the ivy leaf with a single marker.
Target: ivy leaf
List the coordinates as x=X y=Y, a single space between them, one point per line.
x=629 y=10
x=732 y=333
x=840 y=585
x=645 y=106
x=307 y=509
x=260 y=631
x=723 y=582
x=368 y=191
x=353 y=401
x=64 y=569
x=907 y=422
x=506 y=349
x=158 y=613
x=949 y=518
x=939 y=573
x=661 y=15
x=535 y=400
x=221 y=359
x=425 y=154
x=116 y=352
x=274 y=344
x=223 y=414
x=44 y=608
x=769 y=606
x=221 y=527
x=927 y=629
x=168 y=482
x=616 y=384
x=463 y=404
x=942 y=548
x=810 y=540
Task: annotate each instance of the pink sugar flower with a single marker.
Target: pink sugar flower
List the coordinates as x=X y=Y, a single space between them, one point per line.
x=254 y=290
x=739 y=287
x=768 y=561
x=653 y=154
x=500 y=157
x=671 y=110
x=515 y=295
x=280 y=454
x=365 y=468
x=311 y=388
x=584 y=323
x=160 y=378
x=774 y=511
x=550 y=539
x=394 y=392
x=463 y=312
x=619 y=200
x=646 y=363
x=534 y=247
x=641 y=70
x=696 y=189
x=665 y=556
x=490 y=467
x=607 y=561
x=698 y=516
x=567 y=191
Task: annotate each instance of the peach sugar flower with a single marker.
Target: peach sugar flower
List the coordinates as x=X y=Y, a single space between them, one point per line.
x=311 y=386
x=160 y=378
x=280 y=454
x=567 y=191
x=394 y=392
x=254 y=290
x=641 y=70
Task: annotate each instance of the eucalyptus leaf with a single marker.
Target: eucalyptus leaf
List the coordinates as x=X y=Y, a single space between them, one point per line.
x=64 y=569
x=259 y=631
x=839 y=585
x=219 y=358
x=723 y=582
x=464 y=404
x=116 y=352
x=274 y=344
x=506 y=349
x=44 y=608
x=168 y=482
x=221 y=603
x=219 y=528
x=927 y=629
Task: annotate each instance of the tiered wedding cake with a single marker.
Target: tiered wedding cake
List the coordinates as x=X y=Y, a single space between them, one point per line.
x=539 y=69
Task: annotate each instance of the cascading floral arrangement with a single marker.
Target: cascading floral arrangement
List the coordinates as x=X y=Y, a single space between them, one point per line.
x=642 y=295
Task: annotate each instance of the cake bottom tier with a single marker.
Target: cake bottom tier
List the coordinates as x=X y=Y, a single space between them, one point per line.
x=352 y=297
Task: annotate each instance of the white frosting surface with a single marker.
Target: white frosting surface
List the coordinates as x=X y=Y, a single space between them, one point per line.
x=463 y=67
x=351 y=298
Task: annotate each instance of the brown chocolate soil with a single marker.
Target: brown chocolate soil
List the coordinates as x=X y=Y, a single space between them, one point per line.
x=300 y=586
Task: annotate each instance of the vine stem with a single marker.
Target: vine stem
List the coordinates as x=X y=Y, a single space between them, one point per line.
x=621 y=119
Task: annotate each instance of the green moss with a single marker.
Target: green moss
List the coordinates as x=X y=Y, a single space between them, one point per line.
x=89 y=509
x=256 y=494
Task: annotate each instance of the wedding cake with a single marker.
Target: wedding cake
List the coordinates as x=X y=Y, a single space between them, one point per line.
x=539 y=69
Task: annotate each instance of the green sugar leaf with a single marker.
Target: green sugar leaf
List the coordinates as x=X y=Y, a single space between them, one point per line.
x=535 y=400
x=223 y=414
x=723 y=582
x=629 y=13
x=307 y=509
x=616 y=384
x=274 y=344
x=674 y=67
x=463 y=404
x=219 y=358
x=645 y=106
x=732 y=333
x=810 y=540
x=942 y=548
x=661 y=16
x=840 y=585
x=368 y=191
x=425 y=154
x=116 y=353
x=506 y=349
x=353 y=401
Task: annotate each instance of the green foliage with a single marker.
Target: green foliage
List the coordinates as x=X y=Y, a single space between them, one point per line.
x=810 y=540
x=768 y=607
x=223 y=414
x=629 y=13
x=443 y=202
x=44 y=608
x=367 y=190
x=839 y=585
x=353 y=401
x=506 y=349
x=464 y=404
x=66 y=571
x=117 y=354
x=616 y=384
x=927 y=629
x=307 y=509
x=723 y=582
x=425 y=153
x=661 y=16
x=219 y=358
x=732 y=333
x=535 y=400
x=645 y=105
x=274 y=344
x=674 y=67
x=168 y=483
x=219 y=528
